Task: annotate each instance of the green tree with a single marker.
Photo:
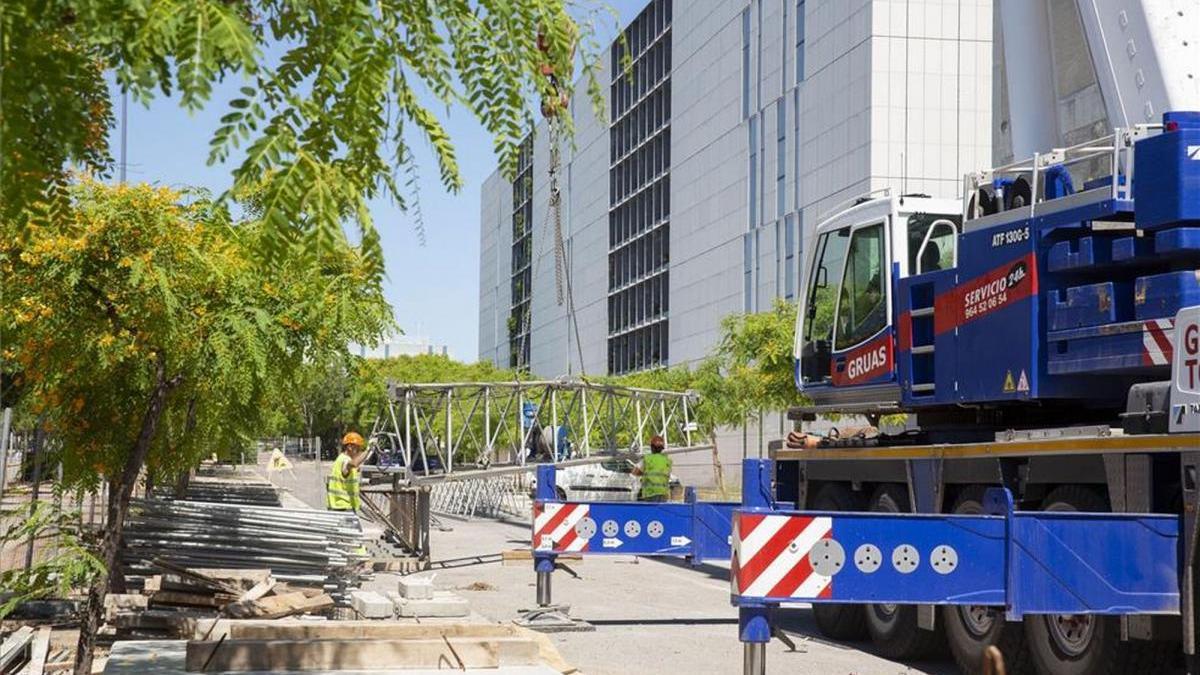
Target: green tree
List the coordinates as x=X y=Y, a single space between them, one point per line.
x=150 y=336
x=332 y=99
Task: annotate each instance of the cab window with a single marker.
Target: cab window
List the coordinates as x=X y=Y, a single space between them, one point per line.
x=821 y=300
x=939 y=249
x=862 y=306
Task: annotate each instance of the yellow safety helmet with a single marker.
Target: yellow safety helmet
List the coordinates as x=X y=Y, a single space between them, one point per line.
x=353 y=438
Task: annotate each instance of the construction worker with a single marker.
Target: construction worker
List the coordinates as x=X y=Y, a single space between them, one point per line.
x=655 y=471
x=341 y=492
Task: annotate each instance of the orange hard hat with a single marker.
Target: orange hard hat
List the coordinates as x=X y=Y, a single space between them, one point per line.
x=353 y=438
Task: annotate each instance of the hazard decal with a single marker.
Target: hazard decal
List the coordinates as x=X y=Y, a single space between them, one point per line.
x=978 y=297
x=866 y=363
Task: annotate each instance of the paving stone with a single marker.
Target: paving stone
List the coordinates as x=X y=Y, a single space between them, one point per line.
x=442 y=604
x=372 y=605
x=416 y=588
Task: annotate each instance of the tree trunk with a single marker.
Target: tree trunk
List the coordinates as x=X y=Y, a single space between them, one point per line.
x=718 y=470
x=119 y=494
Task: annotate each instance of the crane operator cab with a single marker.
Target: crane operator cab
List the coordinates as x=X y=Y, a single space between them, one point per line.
x=846 y=325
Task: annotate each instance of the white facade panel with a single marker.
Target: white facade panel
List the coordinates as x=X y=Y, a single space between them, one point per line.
x=895 y=93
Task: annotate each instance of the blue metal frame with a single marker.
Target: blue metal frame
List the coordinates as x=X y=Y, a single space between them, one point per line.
x=1028 y=562
x=691 y=529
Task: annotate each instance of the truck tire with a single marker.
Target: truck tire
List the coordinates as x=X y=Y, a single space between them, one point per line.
x=1075 y=644
x=972 y=629
x=893 y=628
x=839 y=622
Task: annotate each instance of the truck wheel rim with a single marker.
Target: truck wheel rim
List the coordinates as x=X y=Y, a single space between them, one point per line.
x=978 y=619
x=1071 y=632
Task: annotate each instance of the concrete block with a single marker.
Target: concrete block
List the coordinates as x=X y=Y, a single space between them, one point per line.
x=372 y=605
x=416 y=588
x=442 y=604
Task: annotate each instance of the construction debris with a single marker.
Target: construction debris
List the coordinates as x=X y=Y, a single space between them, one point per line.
x=300 y=546
x=170 y=603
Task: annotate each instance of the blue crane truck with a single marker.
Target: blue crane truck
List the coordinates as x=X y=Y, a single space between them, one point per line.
x=1041 y=336
x=1042 y=339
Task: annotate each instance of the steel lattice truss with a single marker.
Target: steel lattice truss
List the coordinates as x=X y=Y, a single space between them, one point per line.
x=490 y=424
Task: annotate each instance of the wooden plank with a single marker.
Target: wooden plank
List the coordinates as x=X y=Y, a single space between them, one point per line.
x=365 y=630
x=258 y=590
x=213 y=582
x=285 y=588
x=524 y=555
x=308 y=655
x=39 y=652
x=189 y=599
x=279 y=606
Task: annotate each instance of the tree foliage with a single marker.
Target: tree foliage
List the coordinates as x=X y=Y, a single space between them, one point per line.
x=333 y=100
x=346 y=394
x=147 y=335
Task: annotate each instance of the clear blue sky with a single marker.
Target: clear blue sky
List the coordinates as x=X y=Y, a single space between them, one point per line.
x=434 y=289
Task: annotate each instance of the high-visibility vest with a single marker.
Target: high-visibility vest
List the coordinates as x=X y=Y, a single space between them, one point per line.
x=656 y=475
x=341 y=492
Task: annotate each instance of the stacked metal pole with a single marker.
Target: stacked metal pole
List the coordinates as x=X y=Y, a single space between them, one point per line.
x=319 y=548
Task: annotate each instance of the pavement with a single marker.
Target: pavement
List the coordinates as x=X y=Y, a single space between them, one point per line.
x=650 y=615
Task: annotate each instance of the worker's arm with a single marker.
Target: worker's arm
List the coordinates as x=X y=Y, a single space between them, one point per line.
x=637 y=469
x=357 y=461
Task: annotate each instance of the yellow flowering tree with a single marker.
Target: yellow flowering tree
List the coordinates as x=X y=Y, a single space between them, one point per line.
x=145 y=333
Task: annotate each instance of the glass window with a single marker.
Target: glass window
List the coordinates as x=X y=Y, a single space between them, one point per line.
x=789 y=264
x=939 y=252
x=745 y=63
x=747 y=272
x=799 y=41
x=862 y=307
x=752 y=215
x=823 y=281
x=780 y=158
x=783 y=49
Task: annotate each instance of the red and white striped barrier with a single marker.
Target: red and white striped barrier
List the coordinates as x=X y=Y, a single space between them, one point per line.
x=771 y=556
x=555 y=527
x=1157 y=343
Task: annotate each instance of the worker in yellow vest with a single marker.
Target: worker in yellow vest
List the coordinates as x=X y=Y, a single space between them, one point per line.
x=655 y=471
x=341 y=492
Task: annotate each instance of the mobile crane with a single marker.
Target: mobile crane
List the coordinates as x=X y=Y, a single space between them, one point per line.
x=1029 y=332
x=1043 y=337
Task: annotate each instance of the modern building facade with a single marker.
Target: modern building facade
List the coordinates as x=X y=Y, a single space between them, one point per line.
x=731 y=129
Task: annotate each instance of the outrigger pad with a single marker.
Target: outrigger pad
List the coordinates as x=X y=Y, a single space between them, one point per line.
x=552 y=619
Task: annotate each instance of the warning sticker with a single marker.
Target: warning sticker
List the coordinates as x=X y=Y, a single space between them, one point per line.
x=1009 y=385
x=1023 y=382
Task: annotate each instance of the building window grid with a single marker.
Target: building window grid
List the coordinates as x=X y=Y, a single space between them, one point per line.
x=639 y=200
x=521 y=281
